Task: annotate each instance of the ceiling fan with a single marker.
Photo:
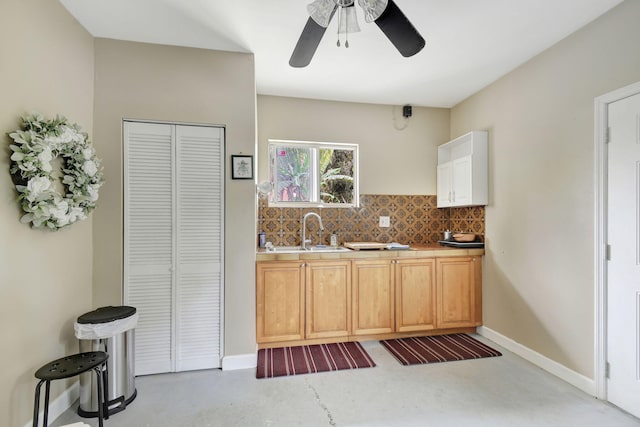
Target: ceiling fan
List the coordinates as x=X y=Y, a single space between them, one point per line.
x=385 y=13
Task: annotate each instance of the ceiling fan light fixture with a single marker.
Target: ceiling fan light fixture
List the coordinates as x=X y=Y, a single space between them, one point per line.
x=372 y=9
x=348 y=22
x=321 y=11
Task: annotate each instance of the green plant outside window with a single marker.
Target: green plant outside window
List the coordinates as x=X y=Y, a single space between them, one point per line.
x=313 y=174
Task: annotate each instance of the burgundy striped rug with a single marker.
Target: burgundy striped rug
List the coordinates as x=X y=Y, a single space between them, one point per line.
x=305 y=359
x=438 y=348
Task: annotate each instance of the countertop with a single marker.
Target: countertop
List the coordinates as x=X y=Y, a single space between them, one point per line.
x=415 y=251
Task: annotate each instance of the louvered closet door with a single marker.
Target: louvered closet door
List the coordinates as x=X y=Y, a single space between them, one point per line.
x=173 y=244
x=199 y=247
x=149 y=242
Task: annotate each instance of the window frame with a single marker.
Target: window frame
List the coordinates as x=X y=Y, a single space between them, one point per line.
x=315 y=147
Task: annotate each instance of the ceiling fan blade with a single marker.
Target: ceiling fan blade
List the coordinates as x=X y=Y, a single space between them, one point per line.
x=307 y=44
x=404 y=36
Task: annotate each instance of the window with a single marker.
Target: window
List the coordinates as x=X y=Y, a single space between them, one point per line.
x=313 y=173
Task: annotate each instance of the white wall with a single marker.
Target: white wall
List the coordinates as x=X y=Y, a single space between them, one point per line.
x=394 y=159
x=168 y=83
x=538 y=273
x=45 y=277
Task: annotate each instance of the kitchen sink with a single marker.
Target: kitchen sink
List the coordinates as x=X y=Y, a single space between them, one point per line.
x=294 y=249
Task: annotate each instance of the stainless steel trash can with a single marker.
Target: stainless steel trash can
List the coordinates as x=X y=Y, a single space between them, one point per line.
x=112 y=330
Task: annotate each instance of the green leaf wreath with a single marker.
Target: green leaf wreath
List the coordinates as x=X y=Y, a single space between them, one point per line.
x=38 y=143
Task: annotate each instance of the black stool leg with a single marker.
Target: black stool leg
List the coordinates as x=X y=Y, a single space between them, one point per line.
x=36 y=404
x=45 y=417
x=99 y=386
x=105 y=387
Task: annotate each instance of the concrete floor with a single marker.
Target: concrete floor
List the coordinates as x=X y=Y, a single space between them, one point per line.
x=499 y=391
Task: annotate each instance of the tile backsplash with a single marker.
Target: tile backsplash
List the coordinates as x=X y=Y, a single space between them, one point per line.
x=414 y=220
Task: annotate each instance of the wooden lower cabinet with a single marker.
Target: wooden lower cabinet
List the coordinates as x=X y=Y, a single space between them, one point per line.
x=279 y=301
x=302 y=300
x=459 y=292
x=415 y=285
x=328 y=299
x=373 y=299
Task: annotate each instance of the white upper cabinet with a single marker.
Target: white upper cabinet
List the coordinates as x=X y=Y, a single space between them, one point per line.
x=463 y=171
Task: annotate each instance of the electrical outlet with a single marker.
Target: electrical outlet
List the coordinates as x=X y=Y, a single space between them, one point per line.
x=385 y=221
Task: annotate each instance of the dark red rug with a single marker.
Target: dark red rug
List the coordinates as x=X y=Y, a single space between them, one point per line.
x=438 y=348
x=305 y=359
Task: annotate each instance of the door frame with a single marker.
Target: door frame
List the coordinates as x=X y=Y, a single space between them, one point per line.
x=601 y=120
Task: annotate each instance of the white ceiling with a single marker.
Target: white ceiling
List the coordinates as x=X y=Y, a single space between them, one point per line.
x=470 y=43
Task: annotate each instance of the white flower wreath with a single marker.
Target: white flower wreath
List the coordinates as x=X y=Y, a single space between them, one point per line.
x=36 y=145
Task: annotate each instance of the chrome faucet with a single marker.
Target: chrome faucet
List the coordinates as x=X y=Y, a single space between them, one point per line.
x=304 y=228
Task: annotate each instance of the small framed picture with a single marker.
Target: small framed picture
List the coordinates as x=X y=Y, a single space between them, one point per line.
x=241 y=167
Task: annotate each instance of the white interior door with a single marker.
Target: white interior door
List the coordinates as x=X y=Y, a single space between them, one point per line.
x=623 y=281
x=173 y=244
x=199 y=246
x=148 y=241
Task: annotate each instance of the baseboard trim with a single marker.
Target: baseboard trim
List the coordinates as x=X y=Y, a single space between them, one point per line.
x=572 y=377
x=58 y=405
x=239 y=361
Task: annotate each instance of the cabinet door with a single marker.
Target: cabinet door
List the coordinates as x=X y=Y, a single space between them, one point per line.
x=461 y=181
x=463 y=171
x=279 y=301
x=459 y=295
x=444 y=185
x=373 y=308
x=415 y=294
x=328 y=299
